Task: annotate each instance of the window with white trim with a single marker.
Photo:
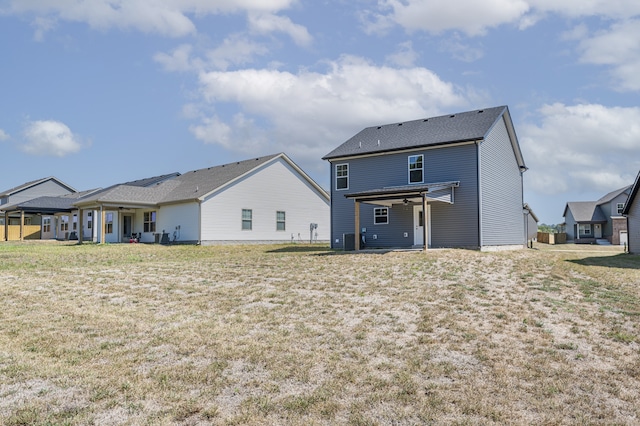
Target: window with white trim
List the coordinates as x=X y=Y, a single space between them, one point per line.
x=75 y=222
x=280 y=221
x=585 y=229
x=108 y=221
x=46 y=224
x=149 y=222
x=89 y=220
x=620 y=207
x=342 y=176
x=380 y=215
x=64 y=223
x=416 y=168
x=247 y=219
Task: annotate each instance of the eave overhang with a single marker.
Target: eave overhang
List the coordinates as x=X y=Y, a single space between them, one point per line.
x=407 y=194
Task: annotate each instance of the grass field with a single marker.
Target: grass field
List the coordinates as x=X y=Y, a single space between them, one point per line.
x=302 y=335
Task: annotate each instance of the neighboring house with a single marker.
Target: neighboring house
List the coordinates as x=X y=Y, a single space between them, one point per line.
x=631 y=211
x=266 y=199
x=12 y=221
x=464 y=170
x=598 y=221
x=531 y=223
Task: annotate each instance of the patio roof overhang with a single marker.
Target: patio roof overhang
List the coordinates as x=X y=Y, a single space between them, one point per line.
x=407 y=194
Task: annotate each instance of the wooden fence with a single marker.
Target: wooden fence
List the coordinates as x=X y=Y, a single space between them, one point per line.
x=31 y=232
x=550 y=238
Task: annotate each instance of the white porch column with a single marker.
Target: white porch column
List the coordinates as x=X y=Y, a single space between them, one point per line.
x=103 y=225
x=357 y=222
x=424 y=223
x=21 y=225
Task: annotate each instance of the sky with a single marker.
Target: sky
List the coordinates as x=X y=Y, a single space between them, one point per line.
x=98 y=92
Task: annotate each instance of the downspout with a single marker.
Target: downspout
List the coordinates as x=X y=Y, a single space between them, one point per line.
x=199 y=222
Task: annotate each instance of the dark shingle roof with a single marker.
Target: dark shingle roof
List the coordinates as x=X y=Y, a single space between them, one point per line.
x=613 y=194
x=632 y=195
x=585 y=211
x=198 y=183
x=445 y=129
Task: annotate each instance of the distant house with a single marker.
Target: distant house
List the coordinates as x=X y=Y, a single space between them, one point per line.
x=598 y=221
x=17 y=224
x=265 y=199
x=449 y=181
x=531 y=223
x=631 y=211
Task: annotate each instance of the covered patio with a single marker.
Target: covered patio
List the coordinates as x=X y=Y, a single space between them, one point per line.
x=421 y=194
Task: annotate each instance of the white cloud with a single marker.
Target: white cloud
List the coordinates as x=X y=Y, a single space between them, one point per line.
x=618 y=47
x=405 y=56
x=3 y=136
x=580 y=148
x=266 y=23
x=166 y=17
x=50 y=138
x=474 y=18
x=436 y=16
x=312 y=112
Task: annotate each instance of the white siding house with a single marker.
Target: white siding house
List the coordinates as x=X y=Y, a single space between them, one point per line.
x=265 y=199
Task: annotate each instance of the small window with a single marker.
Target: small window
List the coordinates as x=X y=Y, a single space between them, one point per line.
x=342 y=176
x=108 y=223
x=620 y=207
x=149 y=222
x=280 y=221
x=247 y=219
x=416 y=169
x=46 y=224
x=380 y=215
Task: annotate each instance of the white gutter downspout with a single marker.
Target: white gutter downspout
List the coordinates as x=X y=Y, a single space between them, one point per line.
x=479 y=198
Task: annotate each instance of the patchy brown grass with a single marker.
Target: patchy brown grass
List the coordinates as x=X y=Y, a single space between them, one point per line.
x=230 y=335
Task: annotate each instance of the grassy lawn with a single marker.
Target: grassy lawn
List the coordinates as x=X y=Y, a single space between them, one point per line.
x=235 y=335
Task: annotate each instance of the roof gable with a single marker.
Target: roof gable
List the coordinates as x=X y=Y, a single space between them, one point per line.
x=33 y=183
x=613 y=194
x=632 y=195
x=434 y=131
x=585 y=211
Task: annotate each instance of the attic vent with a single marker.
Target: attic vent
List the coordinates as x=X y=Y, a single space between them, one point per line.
x=452 y=115
x=378 y=142
x=379 y=127
x=425 y=120
x=257 y=159
x=481 y=111
x=238 y=162
x=399 y=124
x=359 y=144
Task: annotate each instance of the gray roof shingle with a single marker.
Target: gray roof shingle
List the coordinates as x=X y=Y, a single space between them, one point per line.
x=445 y=129
x=585 y=211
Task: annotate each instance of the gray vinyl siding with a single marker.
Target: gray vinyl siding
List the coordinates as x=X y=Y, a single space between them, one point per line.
x=570 y=226
x=633 y=226
x=47 y=188
x=501 y=190
x=610 y=210
x=451 y=225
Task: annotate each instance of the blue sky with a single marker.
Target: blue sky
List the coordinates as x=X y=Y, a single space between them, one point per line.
x=97 y=92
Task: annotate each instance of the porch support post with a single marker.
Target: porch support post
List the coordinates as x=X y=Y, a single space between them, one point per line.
x=424 y=223
x=6 y=226
x=103 y=225
x=357 y=222
x=80 y=227
x=21 y=225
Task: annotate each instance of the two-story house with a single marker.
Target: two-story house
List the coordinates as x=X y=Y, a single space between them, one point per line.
x=599 y=221
x=449 y=181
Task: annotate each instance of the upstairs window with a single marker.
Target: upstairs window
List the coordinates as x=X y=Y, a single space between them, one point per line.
x=620 y=207
x=149 y=222
x=342 y=176
x=380 y=215
x=416 y=169
x=247 y=219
